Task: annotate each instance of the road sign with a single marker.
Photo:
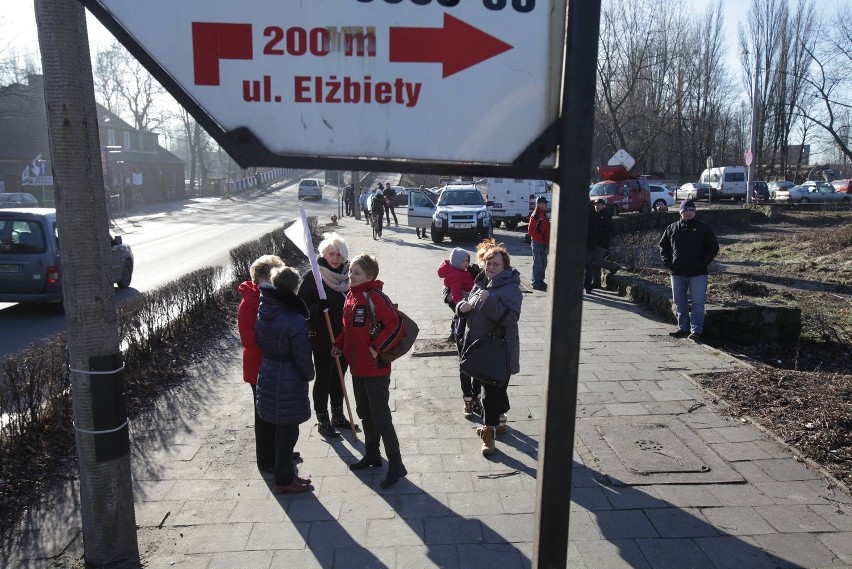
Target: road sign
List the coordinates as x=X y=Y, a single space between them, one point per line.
x=621 y=157
x=430 y=80
x=749 y=157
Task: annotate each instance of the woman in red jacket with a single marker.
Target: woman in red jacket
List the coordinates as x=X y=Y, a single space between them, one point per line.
x=361 y=342
x=264 y=433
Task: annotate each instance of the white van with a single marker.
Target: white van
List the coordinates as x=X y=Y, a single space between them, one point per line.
x=513 y=199
x=729 y=181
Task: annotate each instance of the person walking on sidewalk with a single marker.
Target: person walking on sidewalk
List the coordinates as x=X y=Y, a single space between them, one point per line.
x=390 y=205
x=286 y=370
x=376 y=203
x=421 y=231
x=334 y=270
x=458 y=282
x=539 y=231
x=349 y=199
x=598 y=242
x=362 y=342
x=362 y=201
x=687 y=248
x=495 y=299
x=264 y=433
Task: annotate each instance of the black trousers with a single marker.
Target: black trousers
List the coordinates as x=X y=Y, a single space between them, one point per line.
x=327 y=383
x=264 y=437
x=372 y=396
x=495 y=403
x=285 y=441
x=389 y=209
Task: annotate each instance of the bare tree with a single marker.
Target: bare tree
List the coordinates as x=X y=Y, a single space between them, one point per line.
x=126 y=88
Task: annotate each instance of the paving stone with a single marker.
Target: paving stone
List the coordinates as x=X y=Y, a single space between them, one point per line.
x=729 y=552
x=591 y=498
x=504 y=528
x=249 y=559
x=324 y=508
x=307 y=559
x=739 y=434
x=417 y=557
x=195 y=512
x=453 y=530
x=365 y=558
x=154 y=513
x=517 y=502
x=626 y=409
x=630 y=498
x=490 y=555
x=340 y=534
x=475 y=504
x=367 y=507
x=795 y=492
x=740 y=495
x=682 y=522
x=785 y=470
x=738 y=521
x=422 y=505
x=795 y=550
x=790 y=519
x=667 y=553
x=212 y=538
x=624 y=524
x=736 y=452
x=839 y=543
x=687 y=496
x=612 y=554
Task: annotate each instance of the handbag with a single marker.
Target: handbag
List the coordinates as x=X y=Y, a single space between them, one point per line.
x=404 y=344
x=486 y=359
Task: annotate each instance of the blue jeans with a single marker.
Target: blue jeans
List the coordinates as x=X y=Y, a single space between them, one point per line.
x=539 y=253
x=684 y=290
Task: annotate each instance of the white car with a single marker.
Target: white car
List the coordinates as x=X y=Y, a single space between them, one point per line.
x=310 y=188
x=661 y=195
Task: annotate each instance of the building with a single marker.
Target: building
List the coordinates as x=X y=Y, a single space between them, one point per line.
x=136 y=168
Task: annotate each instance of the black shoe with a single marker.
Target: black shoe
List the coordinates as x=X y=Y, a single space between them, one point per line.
x=325 y=427
x=695 y=337
x=395 y=472
x=588 y=291
x=297 y=455
x=339 y=420
x=541 y=287
x=366 y=462
x=679 y=334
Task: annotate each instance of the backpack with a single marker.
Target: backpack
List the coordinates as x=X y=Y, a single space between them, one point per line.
x=405 y=343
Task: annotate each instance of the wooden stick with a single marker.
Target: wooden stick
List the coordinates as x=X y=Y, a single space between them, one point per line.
x=340 y=374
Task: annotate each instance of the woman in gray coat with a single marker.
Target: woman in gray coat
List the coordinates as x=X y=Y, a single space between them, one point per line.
x=496 y=297
x=286 y=369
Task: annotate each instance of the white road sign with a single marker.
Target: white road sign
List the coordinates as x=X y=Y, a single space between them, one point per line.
x=434 y=80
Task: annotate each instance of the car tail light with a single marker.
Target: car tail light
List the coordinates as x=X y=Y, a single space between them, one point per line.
x=52 y=275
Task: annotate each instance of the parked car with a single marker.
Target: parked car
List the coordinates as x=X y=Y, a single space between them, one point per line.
x=460 y=211
x=844 y=186
x=30 y=269
x=17 y=199
x=310 y=188
x=778 y=185
x=661 y=195
x=693 y=191
x=812 y=192
x=761 y=191
x=621 y=190
x=726 y=181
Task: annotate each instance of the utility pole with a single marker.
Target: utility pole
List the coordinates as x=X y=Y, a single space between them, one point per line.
x=755 y=110
x=94 y=357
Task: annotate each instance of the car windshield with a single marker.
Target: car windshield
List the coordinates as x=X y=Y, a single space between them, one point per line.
x=603 y=189
x=460 y=197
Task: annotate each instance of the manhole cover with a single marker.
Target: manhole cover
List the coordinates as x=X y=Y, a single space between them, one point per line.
x=651 y=448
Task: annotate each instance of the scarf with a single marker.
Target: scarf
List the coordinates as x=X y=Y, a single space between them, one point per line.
x=336 y=281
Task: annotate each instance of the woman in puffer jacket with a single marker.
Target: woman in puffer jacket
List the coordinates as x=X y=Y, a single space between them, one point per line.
x=286 y=370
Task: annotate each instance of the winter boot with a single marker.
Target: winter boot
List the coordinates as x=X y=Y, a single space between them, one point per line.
x=476 y=405
x=487 y=435
x=502 y=428
x=325 y=428
x=338 y=419
x=396 y=470
x=468 y=406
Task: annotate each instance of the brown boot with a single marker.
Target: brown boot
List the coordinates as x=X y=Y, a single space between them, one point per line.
x=487 y=435
x=468 y=407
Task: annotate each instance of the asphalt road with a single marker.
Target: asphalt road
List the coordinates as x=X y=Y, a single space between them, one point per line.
x=169 y=244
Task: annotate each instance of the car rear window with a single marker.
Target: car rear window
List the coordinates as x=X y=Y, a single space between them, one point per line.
x=21 y=236
x=309 y=183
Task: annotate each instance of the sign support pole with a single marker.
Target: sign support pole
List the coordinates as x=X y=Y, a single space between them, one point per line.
x=567 y=250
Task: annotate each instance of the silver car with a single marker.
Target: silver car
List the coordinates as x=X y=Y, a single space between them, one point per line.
x=310 y=188
x=811 y=192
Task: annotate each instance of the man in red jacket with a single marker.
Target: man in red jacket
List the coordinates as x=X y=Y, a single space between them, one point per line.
x=539 y=231
x=264 y=433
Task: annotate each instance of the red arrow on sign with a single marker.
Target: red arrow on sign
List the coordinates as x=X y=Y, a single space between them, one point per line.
x=457 y=45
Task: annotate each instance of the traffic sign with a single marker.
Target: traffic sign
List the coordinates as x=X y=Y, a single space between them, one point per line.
x=749 y=157
x=430 y=80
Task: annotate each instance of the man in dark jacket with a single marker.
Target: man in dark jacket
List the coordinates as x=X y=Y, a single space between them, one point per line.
x=597 y=245
x=687 y=248
x=539 y=232
x=390 y=206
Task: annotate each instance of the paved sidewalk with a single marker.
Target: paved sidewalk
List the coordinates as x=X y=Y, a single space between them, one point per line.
x=717 y=494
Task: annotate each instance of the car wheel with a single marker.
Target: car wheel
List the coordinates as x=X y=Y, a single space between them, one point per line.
x=689 y=196
x=437 y=236
x=804 y=200
x=614 y=210
x=126 y=274
x=660 y=203
x=512 y=225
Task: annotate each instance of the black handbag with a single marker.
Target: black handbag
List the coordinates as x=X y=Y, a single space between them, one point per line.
x=487 y=359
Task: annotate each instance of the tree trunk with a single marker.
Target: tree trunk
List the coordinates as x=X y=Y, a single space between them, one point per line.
x=97 y=389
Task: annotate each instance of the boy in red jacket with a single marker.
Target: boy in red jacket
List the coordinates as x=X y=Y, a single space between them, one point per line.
x=458 y=275
x=539 y=231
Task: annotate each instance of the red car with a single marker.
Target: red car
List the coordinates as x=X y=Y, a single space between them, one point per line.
x=844 y=186
x=621 y=190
